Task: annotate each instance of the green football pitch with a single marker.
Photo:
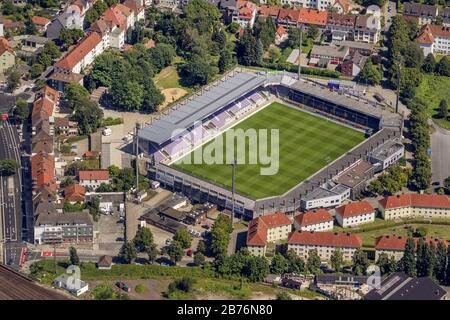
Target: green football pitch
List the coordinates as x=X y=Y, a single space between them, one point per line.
x=306 y=144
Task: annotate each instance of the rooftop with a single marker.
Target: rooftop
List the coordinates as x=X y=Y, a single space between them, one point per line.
x=67 y=218
x=387 y=149
x=416 y=200
x=354 y=209
x=94 y=175
x=333 y=239
x=313 y=217
x=355 y=175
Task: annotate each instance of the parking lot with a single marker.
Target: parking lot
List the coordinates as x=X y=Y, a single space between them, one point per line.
x=111 y=234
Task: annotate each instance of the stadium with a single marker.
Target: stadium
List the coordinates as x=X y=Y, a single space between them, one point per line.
x=321 y=134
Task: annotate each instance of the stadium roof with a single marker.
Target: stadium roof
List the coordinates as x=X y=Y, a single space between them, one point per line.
x=212 y=99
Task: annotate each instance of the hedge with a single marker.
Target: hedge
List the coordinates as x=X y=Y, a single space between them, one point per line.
x=305 y=70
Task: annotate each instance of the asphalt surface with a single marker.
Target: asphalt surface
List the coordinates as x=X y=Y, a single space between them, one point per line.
x=440 y=154
x=10 y=197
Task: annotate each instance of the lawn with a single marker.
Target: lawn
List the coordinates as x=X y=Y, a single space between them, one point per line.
x=168 y=78
x=432 y=90
x=305 y=143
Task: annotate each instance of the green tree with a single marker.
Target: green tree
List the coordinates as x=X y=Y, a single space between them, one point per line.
x=128 y=252
x=337 y=259
x=183 y=237
x=199 y=258
x=201 y=247
x=152 y=252
x=408 y=261
x=8 y=167
x=429 y=64
x=274 y=54
x=21 y=111
x=143 y=239
x=413 y=55
x=256 y=269
x=279 y=264
x=174 y=251
x=443 y=109
x=74 y=259
x=295 y=263
x=226 y=60
x=198 y=71
x=264 y=29
x=70 y=36
x=220 y=235
x=36 y=70
x=443 y=67
x=447 y=270
x=313 y=262
x=360 y=262
x=13 y=81
x=370 y=74
x=249 y=49
x=283 y=295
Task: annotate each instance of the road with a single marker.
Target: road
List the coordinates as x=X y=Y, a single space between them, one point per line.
x=10 y=197
x=390 y=10
x=440 y=147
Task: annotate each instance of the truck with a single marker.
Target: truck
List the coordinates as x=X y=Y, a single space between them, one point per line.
x=107 y=132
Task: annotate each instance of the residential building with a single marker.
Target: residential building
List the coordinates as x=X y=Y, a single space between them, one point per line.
x=314 y=220
x=353 y=66
x=322 y=5
x=7 y=56
x=354 y=214
x=281 y=35
x=41 y=23
x=434 y=39
x=65 y=127
x=302 y=242
x=74 y=193
x=367 y=29
x=394 y=246
x=414 y=205
x=342 y=6
x=265 y=229
x=312 y=17
x=424 y=13
x=94 y=178
x=64 y=228
x=366 y=49
x=399 y=286
x=387 y=154
x=43 y=171
x=33 y=43
x=245 y=13
x=109 y=202
x=340 y=26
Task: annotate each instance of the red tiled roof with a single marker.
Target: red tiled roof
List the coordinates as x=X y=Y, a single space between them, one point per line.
x=333 y=239
x=74 y=193
x=5 y=46
x=94 y=175
x=50 y=94
x=43 y=104
x=78 y=52
x=416 y=200
x=345 y=4
x=90 y=154
x=281 y=31
x=257 y=228
x=41 y=21
x=438 y=30
x=398 y=243
x=354 y=209
x=289 y=14
x=341 y=19
x=311 y=16
x=116 y=16
x=132 y=4
x=42 y=146
x=126 y=11
x=313 y=217
x=269 y=11
x=42 y=162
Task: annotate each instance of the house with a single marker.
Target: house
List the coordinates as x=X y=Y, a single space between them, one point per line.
x=399 y=286
x=367 y=29
x=59 y=79
x=434 y=39
x=414 y=205
x=33 y=44
x=288 y=17
x=341 y=6
x=104 y=263
x=7 y=56
x=314 y=220
x=11 y=27
x=340 y=26
x=281 y=35
x=41 y=23
x=265 y=229
x=43 y=171
x=394 y=246
x=108 y=202
x=302 y=242
x=311 y=17
x=44 y=195
x=71 y=283
x=335 y=55
x=46 y=208
x=245 y=13
x=354 y=214
x=137 y=7
x=64 y=228
x=74 y=193
x=353 y=66
x=94 y=178
x=424 y=13
x=65 y=127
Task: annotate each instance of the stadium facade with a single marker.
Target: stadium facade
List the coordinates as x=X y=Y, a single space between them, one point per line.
x=238 y=95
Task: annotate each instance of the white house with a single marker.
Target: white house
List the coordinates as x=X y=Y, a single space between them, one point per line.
x=434 y=39
x=355 y=213
x=93 y=179
x=314 y=220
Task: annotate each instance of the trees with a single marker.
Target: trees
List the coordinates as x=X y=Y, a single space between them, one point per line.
x=74 y=259
x=360 y=262
x=201 y=247
x=443 y=109
x=36 y=70
x=256 y=268
x=174 y=251
x=70 y=36
x=199 y=258
x=198 y=71
x=128 y=252
x=264 y=29
x=385 y=264
x=407 y=263
x=152 y=252
x=443 y=67
x=220 y=235
x=429 y=64
x=337 y=259
x=279 y=264
x=226 y=60
x=161 y=55
x=413 y=55
x=390 y=182
x=295 y=263
x=313 y=262
x=249 y=49
x=370 y=74
x=283 y=295
x=447 y=270
x=21 y=111
x=183 y=237
x=8 y=167
x=143 y=239
x=13 y=81
x=420 y=258
x=94 y=13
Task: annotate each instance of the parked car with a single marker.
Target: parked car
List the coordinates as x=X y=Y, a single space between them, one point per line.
x=168 y=242
x=123 y=286
x=189 y=252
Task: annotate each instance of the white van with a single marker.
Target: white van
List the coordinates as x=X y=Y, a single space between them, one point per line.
x=107 y=132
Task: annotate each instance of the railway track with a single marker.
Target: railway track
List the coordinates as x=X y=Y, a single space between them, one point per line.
x=15 y=286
